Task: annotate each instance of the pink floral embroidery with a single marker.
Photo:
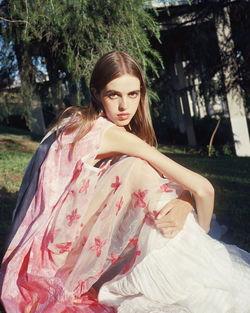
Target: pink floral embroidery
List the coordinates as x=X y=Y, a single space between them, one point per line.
x=77 y=171
x=119 y=205
x=98 y=246
x=116 y=184
x=84 y=187
x=113 y=258
x=140 y=195
x=73 y=217
x=64 y=247
x=126 y=269
x=137 y=253
x=133 y=242
x=164 y=188
x=155 y=213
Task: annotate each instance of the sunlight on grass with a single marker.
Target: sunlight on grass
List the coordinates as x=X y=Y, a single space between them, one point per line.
x=15 y=152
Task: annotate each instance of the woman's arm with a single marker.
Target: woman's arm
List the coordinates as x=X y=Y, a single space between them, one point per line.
x=117 y=140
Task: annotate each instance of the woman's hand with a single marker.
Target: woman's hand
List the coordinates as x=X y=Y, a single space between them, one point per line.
x=172 y=216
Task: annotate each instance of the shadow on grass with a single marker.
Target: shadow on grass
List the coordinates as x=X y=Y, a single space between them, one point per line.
x=19 y=132
x=8 y=202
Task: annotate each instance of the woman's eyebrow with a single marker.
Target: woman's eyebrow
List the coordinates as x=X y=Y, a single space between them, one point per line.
x=112 y=91
x=116 y=91
x=134 y=91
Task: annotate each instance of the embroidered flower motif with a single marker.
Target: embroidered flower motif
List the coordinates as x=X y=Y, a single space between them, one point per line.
x=133 y=242
x=126 y=269
x=164 y=188
x=116 y=184
x=140 y=195
x=137 y=253
x=85 y=187
x=155 y=213
x=77 y=171
x=73 y=217
x=64 y=247
x=119 y=205
x=113 y=258
x=98 y=246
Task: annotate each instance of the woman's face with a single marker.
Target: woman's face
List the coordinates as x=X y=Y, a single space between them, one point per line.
x=120 y=99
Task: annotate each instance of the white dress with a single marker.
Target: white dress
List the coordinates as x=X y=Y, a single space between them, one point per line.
x=191 y=273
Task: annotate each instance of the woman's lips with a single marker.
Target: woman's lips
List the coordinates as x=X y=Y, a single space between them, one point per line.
x=123 y=116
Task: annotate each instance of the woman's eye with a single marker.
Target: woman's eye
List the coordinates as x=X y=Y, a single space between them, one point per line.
x=133 y=95
x=113 y=96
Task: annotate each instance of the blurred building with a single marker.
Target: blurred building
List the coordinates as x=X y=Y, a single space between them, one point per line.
x=205 y=63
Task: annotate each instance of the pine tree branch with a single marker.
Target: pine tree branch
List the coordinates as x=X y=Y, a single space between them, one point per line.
x=13 y=21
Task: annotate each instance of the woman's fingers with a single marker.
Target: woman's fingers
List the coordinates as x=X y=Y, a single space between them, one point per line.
x=169 y=232
x=170 y=220
x=163 y=224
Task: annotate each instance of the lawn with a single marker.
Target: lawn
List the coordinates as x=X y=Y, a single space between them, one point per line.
x=229 y=175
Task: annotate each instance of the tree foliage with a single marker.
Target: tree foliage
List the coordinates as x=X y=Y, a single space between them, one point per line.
x=71 y=35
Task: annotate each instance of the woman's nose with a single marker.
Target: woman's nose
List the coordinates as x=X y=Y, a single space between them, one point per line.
x=123 y=104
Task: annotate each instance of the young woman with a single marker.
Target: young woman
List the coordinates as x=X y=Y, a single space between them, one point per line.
x=107 y=214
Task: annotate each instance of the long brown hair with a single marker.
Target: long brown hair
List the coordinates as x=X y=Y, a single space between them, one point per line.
x=110 y=66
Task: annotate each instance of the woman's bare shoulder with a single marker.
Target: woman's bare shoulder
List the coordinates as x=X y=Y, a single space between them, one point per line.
x=117 y=139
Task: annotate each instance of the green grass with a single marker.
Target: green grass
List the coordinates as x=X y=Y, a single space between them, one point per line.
x=229 y=175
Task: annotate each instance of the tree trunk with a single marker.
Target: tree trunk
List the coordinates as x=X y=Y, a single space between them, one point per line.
x=176 y=100
x=182 y=85
x=73 y=95
x=233 y=91
x=55 y=84
x=31 y=98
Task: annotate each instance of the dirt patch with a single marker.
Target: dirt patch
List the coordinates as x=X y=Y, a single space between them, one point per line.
x=19 y=143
